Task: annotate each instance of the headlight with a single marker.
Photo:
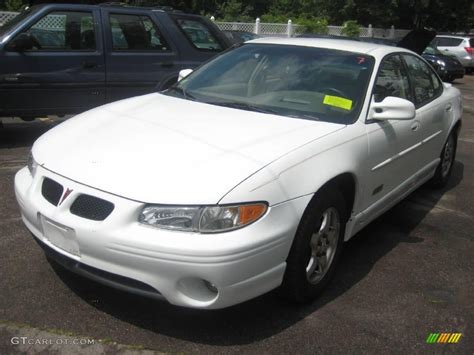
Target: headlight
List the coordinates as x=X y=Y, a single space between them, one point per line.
x=441 y=62
x=205 y=219
x=32 y=165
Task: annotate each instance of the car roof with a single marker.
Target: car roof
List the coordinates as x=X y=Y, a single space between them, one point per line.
x=331 y=43
x=454 y=36
x=116 y=5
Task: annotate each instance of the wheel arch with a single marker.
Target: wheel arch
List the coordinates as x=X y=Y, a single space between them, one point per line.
x=346 y=183
x=457 y=127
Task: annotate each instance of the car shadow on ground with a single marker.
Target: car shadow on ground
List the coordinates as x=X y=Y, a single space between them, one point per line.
x=23 y=134
x=266 y=315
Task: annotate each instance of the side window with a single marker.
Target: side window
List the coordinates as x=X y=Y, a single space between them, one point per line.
x=135 y=33
x=392 y=80
x=425 y=82
x=199 y=34
x=64 y=31
x=448 y=41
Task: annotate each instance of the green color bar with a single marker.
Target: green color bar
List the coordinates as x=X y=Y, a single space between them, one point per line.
x=432 y=338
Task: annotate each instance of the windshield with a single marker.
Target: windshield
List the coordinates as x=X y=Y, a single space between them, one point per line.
x=14 y=21
x=293 y=81
x=432 y=50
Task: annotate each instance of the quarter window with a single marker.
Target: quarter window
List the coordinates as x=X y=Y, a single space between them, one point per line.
x=392 y=80
x=448 y=41
x=64 y=31
x=136 y=33
x=425 y=83
x=199 y=34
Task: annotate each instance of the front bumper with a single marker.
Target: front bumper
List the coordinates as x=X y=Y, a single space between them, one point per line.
x=176 y=266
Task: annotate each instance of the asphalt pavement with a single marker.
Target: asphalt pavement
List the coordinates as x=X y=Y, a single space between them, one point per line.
x=407 y=275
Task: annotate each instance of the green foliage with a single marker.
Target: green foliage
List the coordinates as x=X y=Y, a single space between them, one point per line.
x=14 y=5
x=351 y=29
x=235 y=10
x=270 y=18
x=313 y=25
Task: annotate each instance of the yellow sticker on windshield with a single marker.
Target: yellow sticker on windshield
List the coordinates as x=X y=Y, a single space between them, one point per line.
x=337 y=101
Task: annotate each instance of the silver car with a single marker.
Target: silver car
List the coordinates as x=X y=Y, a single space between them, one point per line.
x=460 y=46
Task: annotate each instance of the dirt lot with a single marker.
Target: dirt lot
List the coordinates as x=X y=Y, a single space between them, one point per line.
x=409 y=274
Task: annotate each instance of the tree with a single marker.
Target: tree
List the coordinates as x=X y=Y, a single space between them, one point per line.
x=13 y=5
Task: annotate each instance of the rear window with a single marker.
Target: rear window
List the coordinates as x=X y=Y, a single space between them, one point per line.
x=448 y=41
x=471 y=42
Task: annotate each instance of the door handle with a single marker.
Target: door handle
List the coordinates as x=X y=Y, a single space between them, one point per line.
x=167 y=64
x=414 y=127
x=449 y=107
x=89 y=65
x=11 y=78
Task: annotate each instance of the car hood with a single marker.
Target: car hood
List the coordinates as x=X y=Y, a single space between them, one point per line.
x=417 y=40
x=161 y=149
x=448 y=60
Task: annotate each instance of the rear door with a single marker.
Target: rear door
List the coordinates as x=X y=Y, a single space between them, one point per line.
x=141 y=57
x=63 y=73
x=432 y=109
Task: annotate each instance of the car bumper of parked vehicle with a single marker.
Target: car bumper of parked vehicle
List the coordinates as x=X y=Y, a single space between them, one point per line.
x=467 y=61
x=187 y=269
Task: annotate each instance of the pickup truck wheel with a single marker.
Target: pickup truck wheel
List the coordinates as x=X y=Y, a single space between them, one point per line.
x=445 y=166
x=316 y=248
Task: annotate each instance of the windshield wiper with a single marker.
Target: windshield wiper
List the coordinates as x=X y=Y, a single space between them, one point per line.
x=244 y=106
x=183 y=92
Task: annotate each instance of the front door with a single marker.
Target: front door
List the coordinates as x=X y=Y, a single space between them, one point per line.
x=393 y=152
x=62 y=73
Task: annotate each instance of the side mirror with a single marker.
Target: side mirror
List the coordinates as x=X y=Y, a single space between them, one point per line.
x=392 y=108
x=21 y=43
x=184 y=73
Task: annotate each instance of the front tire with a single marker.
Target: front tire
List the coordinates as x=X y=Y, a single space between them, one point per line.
x=445 y=166
x=316 y=248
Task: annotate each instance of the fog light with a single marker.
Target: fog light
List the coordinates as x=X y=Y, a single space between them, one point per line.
x=198 y=289
x=210 y=286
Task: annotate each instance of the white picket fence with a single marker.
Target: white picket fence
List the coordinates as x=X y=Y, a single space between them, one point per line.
x=6 y=16
x=288 y=29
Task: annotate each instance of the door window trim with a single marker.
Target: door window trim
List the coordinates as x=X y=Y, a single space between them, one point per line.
x=219 y=40
x=424 y=103
x=169 y=43
x=49 y=50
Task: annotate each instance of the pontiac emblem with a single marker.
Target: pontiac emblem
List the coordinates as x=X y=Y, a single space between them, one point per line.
x=66 y=194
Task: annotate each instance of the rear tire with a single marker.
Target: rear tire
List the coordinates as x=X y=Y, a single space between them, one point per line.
x=316 y=248
x=445 y=166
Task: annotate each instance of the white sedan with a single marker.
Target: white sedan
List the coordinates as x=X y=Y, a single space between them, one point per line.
x=247 y=175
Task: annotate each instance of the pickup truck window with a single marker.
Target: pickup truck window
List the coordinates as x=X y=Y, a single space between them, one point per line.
x=64 y=31
x=199 y=35
x=135 y=33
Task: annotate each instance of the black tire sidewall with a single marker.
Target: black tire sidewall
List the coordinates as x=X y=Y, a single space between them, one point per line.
x=438 y=179
x=295 y=284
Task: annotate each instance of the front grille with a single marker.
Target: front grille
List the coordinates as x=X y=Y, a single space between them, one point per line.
x=91 y=207
x=51 y=191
